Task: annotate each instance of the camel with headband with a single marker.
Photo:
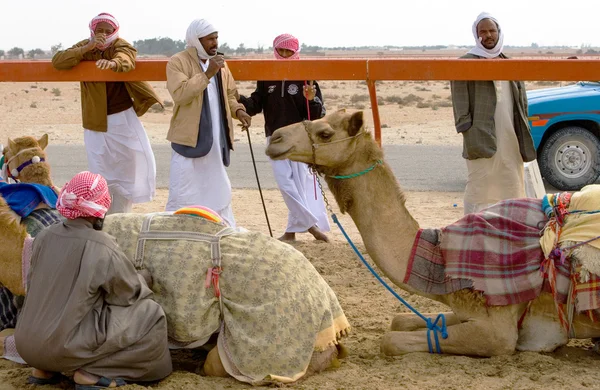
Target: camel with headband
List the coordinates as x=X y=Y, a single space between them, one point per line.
x=535 y=309
x=256 y=303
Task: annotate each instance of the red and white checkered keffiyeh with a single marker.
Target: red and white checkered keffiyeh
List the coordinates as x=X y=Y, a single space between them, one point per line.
x=287 y=41
x=86 y=195
x=106 y=18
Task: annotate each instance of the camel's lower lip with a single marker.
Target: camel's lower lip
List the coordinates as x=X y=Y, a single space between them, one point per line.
x=279 y=155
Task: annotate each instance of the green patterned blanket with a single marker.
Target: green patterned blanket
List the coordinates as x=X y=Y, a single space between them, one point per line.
x=276 y=308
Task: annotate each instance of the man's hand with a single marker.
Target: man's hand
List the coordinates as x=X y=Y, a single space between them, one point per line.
x=243 y=117
x=214 y=64
x=310 y=91
x=98 y=39
x=106 y=64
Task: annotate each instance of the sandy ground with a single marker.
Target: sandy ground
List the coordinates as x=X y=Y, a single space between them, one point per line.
x=368 y=306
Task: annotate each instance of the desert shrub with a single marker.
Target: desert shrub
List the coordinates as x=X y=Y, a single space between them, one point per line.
x=394 y=99
x=358 y=98
x=412 y=98
x=56 y=91
x=444 y=103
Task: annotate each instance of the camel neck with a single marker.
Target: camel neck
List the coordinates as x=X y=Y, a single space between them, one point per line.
x=376 y=204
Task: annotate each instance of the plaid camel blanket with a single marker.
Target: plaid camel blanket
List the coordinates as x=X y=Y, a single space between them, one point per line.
x=496 y=251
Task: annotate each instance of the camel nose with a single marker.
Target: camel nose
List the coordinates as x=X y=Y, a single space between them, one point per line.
x=276 y=137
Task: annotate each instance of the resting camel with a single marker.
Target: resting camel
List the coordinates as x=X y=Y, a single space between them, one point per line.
x=366 y=189
x=274 y=318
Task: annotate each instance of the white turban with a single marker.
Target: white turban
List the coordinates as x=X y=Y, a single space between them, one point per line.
x=479 y=49
x=199 y=28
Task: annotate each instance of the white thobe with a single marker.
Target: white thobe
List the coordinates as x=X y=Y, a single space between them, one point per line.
x=203 y=181
x=499 y=177
x=124 y=157
x=303 y=200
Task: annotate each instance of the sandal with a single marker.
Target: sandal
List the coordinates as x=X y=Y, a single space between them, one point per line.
x=53 y=380
x=102 y=383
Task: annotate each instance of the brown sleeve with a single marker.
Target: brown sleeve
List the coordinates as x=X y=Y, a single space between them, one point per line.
x=124 y=56
x=184 y=89
x=123 y=285
x=66 y=59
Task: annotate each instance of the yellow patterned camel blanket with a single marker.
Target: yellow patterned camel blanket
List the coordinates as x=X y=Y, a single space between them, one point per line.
x=276 y=309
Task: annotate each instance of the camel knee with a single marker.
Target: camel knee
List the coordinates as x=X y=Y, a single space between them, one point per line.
x=213 y=366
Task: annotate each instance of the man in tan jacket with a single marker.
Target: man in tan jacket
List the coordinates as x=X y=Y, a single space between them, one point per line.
x=115 y=140
x=201 y=131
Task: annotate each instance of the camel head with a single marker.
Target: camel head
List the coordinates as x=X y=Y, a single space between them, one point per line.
x=334 y=144
x=25 y=160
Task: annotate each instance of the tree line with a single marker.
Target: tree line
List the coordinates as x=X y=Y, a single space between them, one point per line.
x=167 y=47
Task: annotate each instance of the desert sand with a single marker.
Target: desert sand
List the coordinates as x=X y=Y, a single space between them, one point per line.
x=53 y=108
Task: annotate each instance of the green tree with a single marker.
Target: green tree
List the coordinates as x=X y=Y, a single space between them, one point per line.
x=34 y=52
x=15 y=52
x=241 y=50
x=2 y=53
x=159 y=46
x=56 y=48
x=225 y=49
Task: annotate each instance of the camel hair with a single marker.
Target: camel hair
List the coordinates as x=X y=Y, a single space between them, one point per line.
x=338 y=145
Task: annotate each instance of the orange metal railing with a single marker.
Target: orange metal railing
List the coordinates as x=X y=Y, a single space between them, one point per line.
x=369 y=70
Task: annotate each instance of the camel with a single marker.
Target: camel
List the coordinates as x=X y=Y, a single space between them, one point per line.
x=366 y=189
x=273 y=316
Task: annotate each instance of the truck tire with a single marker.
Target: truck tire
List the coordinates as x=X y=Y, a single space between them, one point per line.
x=570 y=158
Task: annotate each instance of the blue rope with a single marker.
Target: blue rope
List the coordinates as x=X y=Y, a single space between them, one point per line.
x=432 y=326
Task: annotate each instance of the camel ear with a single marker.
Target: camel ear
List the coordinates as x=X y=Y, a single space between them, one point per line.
x=43 y=141
x=11 y=144
x=355 y=123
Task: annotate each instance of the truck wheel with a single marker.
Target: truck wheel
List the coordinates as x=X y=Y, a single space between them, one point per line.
x=570 y=159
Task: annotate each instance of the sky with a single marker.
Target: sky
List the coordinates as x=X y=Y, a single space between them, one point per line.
x=33 y=24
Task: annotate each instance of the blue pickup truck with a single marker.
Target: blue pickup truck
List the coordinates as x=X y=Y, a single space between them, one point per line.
x=565 y=125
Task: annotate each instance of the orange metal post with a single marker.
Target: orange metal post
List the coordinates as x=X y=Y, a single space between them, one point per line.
x=375 y=109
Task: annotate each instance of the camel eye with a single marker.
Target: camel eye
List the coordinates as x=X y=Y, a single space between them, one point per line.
x=325 y=135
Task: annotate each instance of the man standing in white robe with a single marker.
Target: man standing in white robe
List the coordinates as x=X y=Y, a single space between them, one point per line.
x=115 y=140
x=201 y=130
x=284 y=103
x=492 y=117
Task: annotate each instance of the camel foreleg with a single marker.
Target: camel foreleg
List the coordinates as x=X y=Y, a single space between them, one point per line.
x=409 y=322
x=476 y=337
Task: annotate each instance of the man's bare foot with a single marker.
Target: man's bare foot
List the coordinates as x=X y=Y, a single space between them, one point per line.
x=288 y=237
x=319 y=235
x=82 y=377
x=41 y=374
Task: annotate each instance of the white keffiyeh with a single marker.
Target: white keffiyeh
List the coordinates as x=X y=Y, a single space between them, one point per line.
x=199 y=28
x=479 y=49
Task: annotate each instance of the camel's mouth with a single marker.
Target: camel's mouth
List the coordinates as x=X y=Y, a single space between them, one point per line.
x=275 y=153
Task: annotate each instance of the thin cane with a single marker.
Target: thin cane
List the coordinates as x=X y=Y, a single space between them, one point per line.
x=257 y=180
x=308 y=117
